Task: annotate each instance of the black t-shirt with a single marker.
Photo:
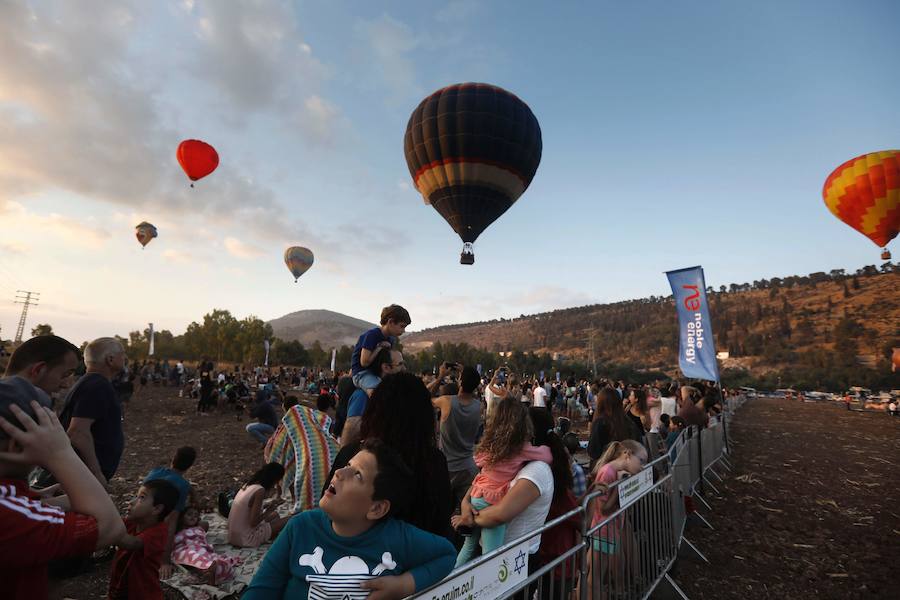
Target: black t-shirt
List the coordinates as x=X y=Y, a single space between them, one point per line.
x=601 y=436
x=93 y=397
x=345 y=389
x=265 y=413
x=432 y=504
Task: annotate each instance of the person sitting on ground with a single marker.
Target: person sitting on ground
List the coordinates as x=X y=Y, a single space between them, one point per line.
x=266 y=421
x=34 y=532
x=135 y=569
x=47 y=361
x=303 y=445
x=325 y=404
x=194 y=552
x=249 y=524
x=384 y=363
x=182 y=461
x=394 y=321
x=353 y=545
x=401 y=415
x=504 y=449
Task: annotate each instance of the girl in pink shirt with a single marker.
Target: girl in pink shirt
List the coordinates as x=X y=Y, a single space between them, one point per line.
x=503 y=451
x=619 y=460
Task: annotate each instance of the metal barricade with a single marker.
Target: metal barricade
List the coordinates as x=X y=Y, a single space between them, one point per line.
x=631 y=550
x=627 y=553
x=511 y=572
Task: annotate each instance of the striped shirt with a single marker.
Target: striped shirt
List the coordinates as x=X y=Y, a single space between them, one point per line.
x=33 y=533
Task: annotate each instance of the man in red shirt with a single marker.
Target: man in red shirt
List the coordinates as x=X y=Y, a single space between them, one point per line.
x=35 y=532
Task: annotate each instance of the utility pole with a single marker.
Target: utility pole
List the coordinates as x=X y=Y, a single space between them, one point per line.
x=26 y=299
x=590 y=332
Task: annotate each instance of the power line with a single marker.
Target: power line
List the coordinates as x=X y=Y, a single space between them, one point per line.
x=26 y=299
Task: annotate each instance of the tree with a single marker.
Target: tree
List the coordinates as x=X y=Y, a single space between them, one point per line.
x=42 y=329
x=855 y=283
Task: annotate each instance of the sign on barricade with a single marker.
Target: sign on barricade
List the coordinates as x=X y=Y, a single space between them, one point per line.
x=488 y=580
x=631 y=489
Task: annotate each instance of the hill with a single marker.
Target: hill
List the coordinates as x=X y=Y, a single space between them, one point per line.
x=331 y=329
x=822 y=321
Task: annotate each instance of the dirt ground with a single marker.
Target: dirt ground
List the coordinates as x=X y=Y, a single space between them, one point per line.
x=810 y=510
x=157 y=422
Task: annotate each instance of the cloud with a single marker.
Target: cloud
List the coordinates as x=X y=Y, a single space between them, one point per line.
x=318 y=119
x=252 y=51
x=80 y=232
x=241 y=249
x=12 y=249
x=78 y=113
x=177 y=257
x=454 y=12
x=390 y=44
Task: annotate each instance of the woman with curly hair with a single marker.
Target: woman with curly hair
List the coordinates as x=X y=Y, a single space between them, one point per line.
x=400 y=415
x=504 y=449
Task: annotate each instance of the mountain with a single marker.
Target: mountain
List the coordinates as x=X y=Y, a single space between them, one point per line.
x=819 y=322
x=331 y=329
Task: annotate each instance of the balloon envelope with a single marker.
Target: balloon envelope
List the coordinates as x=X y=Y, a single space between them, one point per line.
x=144 y=232
x=472 y=149
x=298 y=260
x=198 y=159
x=864 y=193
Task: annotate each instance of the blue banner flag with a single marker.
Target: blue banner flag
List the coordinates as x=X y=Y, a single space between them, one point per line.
x=697 y=352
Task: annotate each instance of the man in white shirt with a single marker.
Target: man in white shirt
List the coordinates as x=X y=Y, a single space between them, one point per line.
x=540 y=396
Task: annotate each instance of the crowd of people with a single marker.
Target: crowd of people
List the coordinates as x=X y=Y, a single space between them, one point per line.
x=394 y=478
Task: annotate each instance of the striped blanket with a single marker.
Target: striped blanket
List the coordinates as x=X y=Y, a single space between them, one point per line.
x=304 y=447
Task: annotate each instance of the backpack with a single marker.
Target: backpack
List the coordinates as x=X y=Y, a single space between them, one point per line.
x=224 y=501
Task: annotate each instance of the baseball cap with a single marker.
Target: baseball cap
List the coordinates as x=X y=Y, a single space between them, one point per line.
x=19 y=391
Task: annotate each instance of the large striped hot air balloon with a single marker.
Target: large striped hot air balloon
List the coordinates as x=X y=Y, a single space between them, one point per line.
x=298 y=260
x=864 y=193
x=472 y=150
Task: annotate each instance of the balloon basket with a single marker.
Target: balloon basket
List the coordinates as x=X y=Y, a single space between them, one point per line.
x=467 y=256
x=885 y=254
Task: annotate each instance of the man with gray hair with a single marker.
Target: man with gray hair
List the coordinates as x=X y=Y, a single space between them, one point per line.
x=92 y=414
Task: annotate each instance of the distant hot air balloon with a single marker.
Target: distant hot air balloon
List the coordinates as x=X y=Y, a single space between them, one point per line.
x=198 y=159
x=144 y=232
x=864 y=193
x=472 y=149
x=298 y=260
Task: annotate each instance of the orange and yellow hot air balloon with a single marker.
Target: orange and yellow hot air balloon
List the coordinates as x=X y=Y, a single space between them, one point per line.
x=864 y=193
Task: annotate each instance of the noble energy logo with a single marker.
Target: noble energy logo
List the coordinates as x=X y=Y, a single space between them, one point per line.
x=503 y=575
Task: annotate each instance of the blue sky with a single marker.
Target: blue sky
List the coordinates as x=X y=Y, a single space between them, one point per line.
x=675 y=133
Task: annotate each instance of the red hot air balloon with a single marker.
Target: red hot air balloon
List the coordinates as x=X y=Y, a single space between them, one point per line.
x=198 y=159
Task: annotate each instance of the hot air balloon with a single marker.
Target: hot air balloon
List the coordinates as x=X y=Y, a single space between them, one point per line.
x=198 y=159
x=864 y=193
x=298 y=260
x=472 y=149
x=144 y=232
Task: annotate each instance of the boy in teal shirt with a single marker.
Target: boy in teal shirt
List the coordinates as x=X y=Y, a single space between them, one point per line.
x=351 y=545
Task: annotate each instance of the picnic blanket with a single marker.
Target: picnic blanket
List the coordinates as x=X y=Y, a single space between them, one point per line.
x=184 y=585
x=304 y=447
